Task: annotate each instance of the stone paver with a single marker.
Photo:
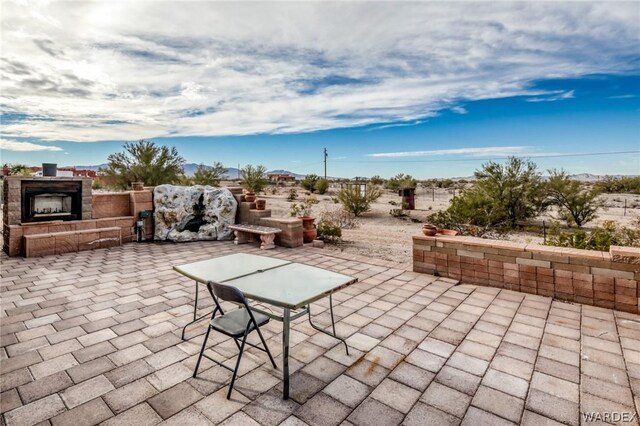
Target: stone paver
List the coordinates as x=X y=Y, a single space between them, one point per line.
x=93 y=337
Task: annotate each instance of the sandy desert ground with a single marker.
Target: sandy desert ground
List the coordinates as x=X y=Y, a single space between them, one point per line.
x=378 y=234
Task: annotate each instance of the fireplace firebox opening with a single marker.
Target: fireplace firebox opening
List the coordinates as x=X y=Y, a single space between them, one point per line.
x=51 y=200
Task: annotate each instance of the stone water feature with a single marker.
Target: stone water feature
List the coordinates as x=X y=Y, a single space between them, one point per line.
x=190 y=213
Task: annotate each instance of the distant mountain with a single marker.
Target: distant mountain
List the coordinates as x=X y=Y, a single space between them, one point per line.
x=90 y=167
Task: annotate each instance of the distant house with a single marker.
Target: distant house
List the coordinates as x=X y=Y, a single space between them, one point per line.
x=279 y=177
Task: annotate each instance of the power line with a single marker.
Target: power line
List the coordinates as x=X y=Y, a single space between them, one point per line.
x=440 y=160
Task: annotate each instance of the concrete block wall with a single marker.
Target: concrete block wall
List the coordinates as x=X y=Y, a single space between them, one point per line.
x=110 y=204
x=291 y=235
x=606 y=279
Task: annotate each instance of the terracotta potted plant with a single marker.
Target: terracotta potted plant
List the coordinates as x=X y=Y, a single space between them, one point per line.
x=250 y=196
x=261 y=204
x=449 y=232
x=429 y=230
x=303 y=211
x=253 y=181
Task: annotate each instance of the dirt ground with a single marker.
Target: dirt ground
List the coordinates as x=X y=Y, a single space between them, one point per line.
x=378 y=234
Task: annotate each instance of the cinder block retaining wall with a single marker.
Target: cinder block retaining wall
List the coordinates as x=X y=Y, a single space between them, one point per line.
x=596 y=278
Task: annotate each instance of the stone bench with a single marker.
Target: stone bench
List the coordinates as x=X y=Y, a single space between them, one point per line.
x=267 y=235
x=71 y=241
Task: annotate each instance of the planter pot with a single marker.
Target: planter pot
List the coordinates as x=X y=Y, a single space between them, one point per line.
x=449 y=232
x=137 y=186
x=309 y=232
x=250 y=197
x=429 y=230
x=261 y=204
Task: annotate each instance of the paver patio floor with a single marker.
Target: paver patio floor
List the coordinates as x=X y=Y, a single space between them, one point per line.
x=94 y=337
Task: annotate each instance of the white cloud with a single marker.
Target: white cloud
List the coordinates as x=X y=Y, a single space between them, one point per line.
x=473 y=152
x=559 y=96
x=103 y=70
x=11 y=145
x=459 y=110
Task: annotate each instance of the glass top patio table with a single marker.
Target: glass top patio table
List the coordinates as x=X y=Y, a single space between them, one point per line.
x=225 y=268
x=288 y=285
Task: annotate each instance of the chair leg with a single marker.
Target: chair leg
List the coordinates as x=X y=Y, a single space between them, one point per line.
x=266 y=348
x=204 y=345
x=235 y=372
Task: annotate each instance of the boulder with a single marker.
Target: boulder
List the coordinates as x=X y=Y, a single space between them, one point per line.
x=190 y=213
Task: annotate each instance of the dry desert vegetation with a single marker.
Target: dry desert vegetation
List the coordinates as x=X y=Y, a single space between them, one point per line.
x=378 y=234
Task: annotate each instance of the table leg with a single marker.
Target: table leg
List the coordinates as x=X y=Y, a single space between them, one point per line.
x=333 y=324
x=286 y=322
x=195 y=313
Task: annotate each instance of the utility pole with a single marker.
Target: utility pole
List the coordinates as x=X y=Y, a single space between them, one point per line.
x=325 y=163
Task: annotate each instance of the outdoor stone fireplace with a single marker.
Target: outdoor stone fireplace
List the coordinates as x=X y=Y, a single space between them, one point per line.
x=39 y=199
x=50 y=200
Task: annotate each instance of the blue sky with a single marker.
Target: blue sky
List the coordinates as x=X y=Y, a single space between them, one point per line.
x=417 y=88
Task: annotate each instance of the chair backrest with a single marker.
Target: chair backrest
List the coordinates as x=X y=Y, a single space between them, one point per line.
x=227 y=292
x=230 y=294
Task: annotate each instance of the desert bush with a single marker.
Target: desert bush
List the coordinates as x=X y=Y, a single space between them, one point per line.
x=576 y=206
x=321 y=186
x=356 y=202
x=599 y=238
x=398 y=212
x=472 y=213
x=400 y=181
x=145 y=161
x=19 y=170
x=209 y=175
x=376 y=180
x=293 y=195
x=309 y=182
x=515 y=188
x=254 y=178
x=619 y=184
x=343 y=218
x=329 y=228
x=96 y=184
x=502 y=196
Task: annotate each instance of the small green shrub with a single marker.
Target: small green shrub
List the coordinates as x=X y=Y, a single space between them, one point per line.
x=400 y=181
x=577 y=206
x=209 y=175
x=305 y=208
x=398 y=213
x=293 y=195
x=356 y=202
x=254 y=178
x=376 y=180
x=322 y=186
x=620 y=184
x=309 y=182
x=599 y=238
x=329 y=230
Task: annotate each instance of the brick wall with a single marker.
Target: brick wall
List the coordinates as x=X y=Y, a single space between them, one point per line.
x=110 y=204
x=591 y=277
